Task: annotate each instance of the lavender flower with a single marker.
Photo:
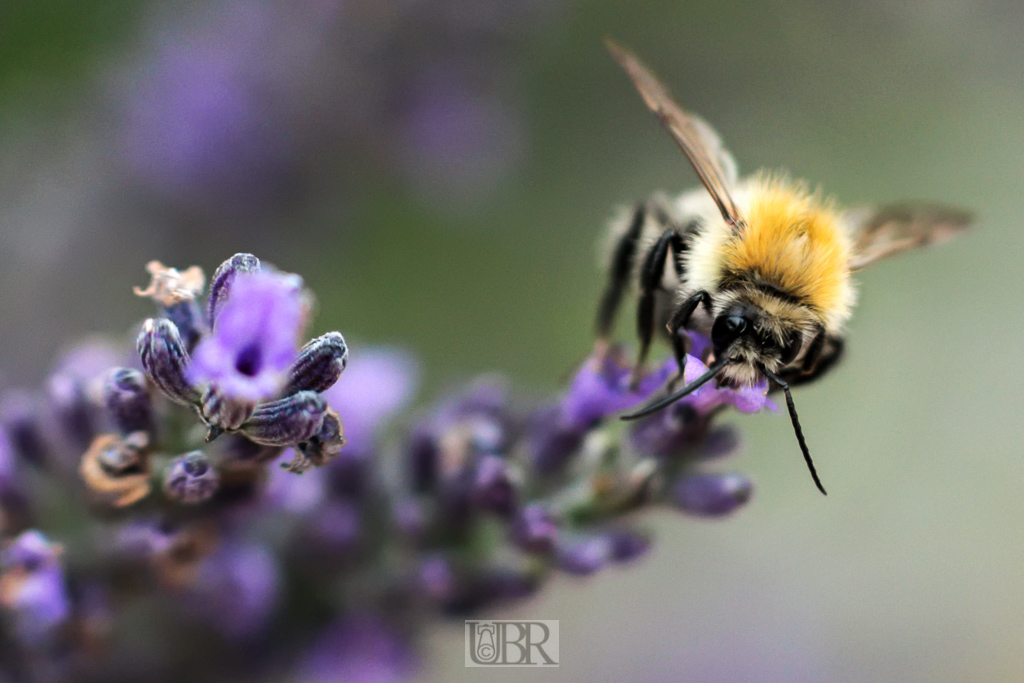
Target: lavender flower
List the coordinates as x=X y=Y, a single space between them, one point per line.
x=601 y=387
x=254 y=340
x=482 y=510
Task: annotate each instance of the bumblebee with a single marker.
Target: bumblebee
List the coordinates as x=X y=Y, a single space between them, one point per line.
x=761 y=265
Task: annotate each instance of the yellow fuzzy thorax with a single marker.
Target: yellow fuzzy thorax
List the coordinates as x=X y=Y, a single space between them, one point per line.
x=793 y=240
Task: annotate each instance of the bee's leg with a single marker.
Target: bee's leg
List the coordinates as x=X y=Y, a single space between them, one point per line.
x=821 y=357
x=676 y=330
x=680 y=350
x=651 y=273
x=618 y=276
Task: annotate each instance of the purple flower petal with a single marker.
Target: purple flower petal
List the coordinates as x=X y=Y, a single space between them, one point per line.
x=254 y=342
x=601 y=388
x=378 y=381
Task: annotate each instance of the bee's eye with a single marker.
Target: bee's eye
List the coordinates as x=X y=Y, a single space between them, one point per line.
x=726 y=329
x=792 y=348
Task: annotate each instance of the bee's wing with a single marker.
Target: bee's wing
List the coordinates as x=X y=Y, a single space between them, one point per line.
x=703 y=147
x=881 y=231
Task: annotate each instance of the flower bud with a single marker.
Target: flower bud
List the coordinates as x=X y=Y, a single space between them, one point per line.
x=116 y=470
x=220 y=286
x=223 y=413
x=584 y=556
x=188 y=318
x=127 y=400
x=319 y=365
x=71 y=408
x=534 y=529
x=628 y=545
x=190 y=479
x=287 y=421
x=165 y=360
x=552 y=442
x=19 y=414
x=493 y=485
x=711 y=495
x=321 y=448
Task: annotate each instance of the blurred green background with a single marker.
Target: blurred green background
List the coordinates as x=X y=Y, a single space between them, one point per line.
x=483 y=258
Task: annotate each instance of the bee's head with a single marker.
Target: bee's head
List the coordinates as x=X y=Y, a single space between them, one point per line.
x=751 y=338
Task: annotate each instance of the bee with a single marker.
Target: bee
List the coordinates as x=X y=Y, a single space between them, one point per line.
x=761 y=265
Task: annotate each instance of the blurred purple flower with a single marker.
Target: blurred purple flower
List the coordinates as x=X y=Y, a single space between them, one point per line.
x=359 y=649
x=602 y=387
x=32 y=587
x=199 y=124
x=437 y=578
x=299 y=495
x=460 y=139
x=74 y=382
x=584 y=556
x=20 y=416
x=8 y=463
x=236 y=588
x=378 y=382
x=335 y=527
x=534 y=529
x=628 y=545
x=255 y=340
x=494 y=485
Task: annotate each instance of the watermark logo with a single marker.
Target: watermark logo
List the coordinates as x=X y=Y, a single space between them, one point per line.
x=511 y=643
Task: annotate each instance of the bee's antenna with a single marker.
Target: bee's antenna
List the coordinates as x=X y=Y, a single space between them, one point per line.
x=682 y=393
x=796 y=426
